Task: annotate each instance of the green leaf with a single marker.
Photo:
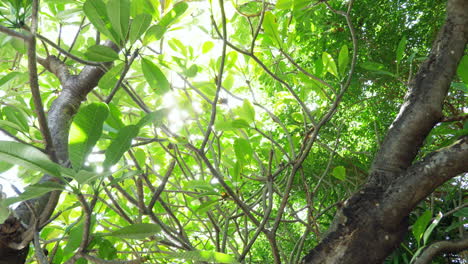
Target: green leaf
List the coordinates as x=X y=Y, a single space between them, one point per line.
x=248 y=111
x=243 y=149
x=343 y=59
x=153 y=33
x=376 y=67
x=420 y=225
x=157 y=31
x=135 y=231
x=74 y=238
x=17 y=117
x=4 y=212
x=207 y=46
x=464 y=211
x=157 y=117
x=28 y=157
x=10 y=76
x=206 y=206
x=198 y=184
x=155 y=77
x=329 y=64
x=240 y=123
x=120 y=145
x=114 y=120
x=429 y=230
x=139 y=26
x=84 y=176
x=111 y=77
x=271 y=27
x=107 y=250
x=101 y=53
x=462 y=69
x=203 y=256
x=400 y=52
x=284 y=4
x=191 y=71
x=119 y=16
x=85 y=131
x=339 y=172
x=95 y=11
x=34 y=191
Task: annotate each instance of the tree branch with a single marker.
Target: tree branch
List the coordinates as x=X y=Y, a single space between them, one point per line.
x=441 y=247
x=14 y=33
x=422 y=108
x=422 y=178
x=33 y=81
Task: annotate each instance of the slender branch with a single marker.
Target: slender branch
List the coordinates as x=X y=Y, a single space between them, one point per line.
x=161 y=187
x=34 y=84
x=14 y=33
x=219 y=79
x=122 y=77
x=66 y=53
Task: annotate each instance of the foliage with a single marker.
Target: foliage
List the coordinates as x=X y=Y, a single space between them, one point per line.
x=204 y=150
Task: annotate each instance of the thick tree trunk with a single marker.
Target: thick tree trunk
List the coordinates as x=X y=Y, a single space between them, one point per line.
x=373 y=222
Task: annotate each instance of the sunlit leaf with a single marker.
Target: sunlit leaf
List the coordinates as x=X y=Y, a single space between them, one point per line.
x=329 y=64
x=207 y=46
x=155 y=77
x=271 y=28
x=339 y=172
x=85 y=132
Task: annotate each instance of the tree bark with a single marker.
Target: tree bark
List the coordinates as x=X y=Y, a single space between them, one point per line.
x=17 y=232
x=374 y=220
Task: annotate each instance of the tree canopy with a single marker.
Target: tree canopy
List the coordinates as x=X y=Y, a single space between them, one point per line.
x=242 y=131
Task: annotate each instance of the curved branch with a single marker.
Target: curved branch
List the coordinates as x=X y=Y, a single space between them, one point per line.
x=422 y=108
x=441 y=247
x=422 y=178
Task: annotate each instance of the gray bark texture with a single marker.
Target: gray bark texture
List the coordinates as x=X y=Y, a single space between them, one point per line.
x=18 y=231
x=373 y=221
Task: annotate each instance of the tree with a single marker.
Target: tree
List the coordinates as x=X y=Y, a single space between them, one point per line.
x=141 y=146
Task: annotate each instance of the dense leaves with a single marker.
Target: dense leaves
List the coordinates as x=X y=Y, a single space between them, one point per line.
x=186 y=152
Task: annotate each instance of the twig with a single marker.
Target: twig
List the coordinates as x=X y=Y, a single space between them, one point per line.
x=219 y=79
x=122 y=77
